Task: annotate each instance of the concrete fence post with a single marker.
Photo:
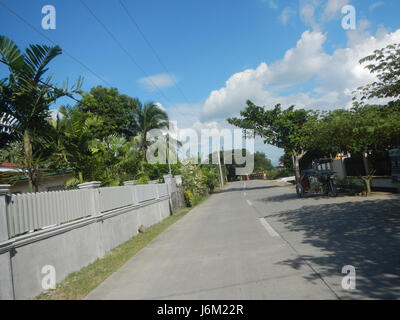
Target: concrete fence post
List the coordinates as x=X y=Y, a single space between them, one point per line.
x=178 y=180
x=130 y=183
x=6 y=281
x=95 y=195
x=179 y=190
x=168 y=180
x=4 y=189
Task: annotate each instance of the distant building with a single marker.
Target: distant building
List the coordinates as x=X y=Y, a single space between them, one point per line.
x=280 y=166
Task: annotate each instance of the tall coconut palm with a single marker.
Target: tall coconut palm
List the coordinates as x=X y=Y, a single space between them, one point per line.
x=148 y=117
x=27 y=94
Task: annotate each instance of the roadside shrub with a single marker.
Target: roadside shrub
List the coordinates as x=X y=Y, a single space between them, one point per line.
x=350 y=185
x=198 y=181
x=211 y=177
x=188 y=198
x=143 y=179
x=279 y=173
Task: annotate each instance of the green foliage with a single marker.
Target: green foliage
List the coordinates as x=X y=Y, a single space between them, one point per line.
x=261 y=162
x=363 y=128
x=211 y=177
x=275 y=174
x=286 y=160
x=277 y=127
x=385 y=63
x=148 y=117
x=143 y=179
x=348 y=185
x=280 y=128
x=198 y=181
x=73 y=183
x=117 y=111
x=25 y=100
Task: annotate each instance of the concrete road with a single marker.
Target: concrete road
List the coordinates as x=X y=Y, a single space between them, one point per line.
x=258 y=241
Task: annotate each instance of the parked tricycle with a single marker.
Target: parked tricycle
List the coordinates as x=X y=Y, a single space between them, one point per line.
x=318 y=180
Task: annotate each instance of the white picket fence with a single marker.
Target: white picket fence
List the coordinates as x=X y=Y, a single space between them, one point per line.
x=34 y=211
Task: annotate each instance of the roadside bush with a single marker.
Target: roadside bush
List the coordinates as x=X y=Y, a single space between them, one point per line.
x=350 y=185
x=188 y=196
x=279 y=173
x=211 y=177
x=198 y=181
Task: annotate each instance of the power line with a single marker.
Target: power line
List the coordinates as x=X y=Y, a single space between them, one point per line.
x=50 y=40
x=150 y=46
x=123 y=48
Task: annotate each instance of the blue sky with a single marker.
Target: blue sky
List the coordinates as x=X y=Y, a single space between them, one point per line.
x=218 y=53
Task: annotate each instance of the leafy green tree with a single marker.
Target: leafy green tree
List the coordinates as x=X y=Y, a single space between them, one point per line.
x=26 y=95
x=117 y=110
x=330 y=133
x=261 y=162
x=13 y=152
x=385 y=63
x=281 y=128
x=286 y=160
x=360 y=130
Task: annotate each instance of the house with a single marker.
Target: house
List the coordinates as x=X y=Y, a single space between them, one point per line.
x=386 y=169
x=11 y=173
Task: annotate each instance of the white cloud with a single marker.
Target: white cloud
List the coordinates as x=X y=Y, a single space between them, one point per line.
x=375 y=5
x=272 y=4
x=329 y=78
x=333 y=9
x=161 y=81
x=315 y=13
x=158 y=104
x=306 y=76
x=286 y=14
x=308 y=11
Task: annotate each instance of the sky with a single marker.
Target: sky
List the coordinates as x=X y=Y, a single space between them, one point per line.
x=201 y=60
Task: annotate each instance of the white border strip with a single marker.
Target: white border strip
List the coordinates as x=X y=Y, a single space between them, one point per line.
x=267 y=227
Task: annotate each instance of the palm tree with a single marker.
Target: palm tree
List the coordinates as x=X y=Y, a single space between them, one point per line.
x=26 y=96
x=148 y=117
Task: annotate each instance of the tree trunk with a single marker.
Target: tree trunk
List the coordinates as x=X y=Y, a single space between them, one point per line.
x=144 y=146
x=296 y=157
x=368 y=173
x=365 y=160
x=28 y=158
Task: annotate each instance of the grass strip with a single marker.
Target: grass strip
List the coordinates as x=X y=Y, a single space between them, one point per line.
x=79 y=284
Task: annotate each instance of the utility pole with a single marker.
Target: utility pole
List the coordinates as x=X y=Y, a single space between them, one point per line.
x=220 y=169
x=168 y=150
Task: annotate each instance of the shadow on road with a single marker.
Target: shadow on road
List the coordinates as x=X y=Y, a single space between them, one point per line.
x=365 y=235
x=246 y=189
x=293 y=196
